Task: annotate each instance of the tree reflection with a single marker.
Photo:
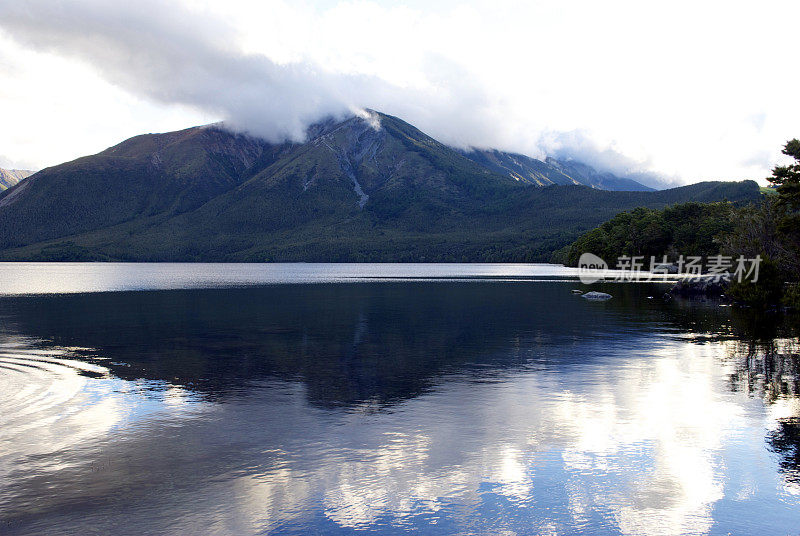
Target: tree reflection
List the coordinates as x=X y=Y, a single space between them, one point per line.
x=770 y=369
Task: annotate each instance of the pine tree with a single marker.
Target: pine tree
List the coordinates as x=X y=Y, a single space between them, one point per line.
x=787 y=180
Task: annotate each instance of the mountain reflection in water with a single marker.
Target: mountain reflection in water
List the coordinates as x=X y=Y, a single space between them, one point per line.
x=469 y=407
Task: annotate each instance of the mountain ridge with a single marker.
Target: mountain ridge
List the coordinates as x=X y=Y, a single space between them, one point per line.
x=355 y=190
x=10 y=177
x=550 y=171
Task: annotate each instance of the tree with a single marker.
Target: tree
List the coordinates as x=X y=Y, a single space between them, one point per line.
x=756 y=232
x=787 y=180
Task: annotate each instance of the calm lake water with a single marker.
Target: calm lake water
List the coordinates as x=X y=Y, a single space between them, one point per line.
x=345 y=399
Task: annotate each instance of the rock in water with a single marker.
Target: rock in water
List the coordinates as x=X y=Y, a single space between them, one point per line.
x=702 y=286
x=576 y=291
x=594 y=295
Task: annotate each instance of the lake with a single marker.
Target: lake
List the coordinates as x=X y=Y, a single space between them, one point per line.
x=347 y=399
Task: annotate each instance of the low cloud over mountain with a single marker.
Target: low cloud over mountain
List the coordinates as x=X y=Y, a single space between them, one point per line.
x=517 y=76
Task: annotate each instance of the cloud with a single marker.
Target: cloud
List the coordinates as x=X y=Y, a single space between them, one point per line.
x=171 y=54
x=578 y=145
x=174 y=54
x=8 y=163
x=519 y=76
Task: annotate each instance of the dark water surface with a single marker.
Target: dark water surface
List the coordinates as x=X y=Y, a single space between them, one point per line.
x=458 y=399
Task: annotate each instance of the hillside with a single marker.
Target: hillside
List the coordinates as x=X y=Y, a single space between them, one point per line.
x=689 y=229
x=365 y=188
x=10 y=177
x=550 y=171
x=143 y=176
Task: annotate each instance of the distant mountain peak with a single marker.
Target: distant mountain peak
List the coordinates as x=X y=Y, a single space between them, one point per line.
x=10 y=177
x=550 y=171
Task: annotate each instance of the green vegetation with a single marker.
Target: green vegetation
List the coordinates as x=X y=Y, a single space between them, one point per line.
x=769 y=228
x=684 y=229
x=787 y=180
x=772 y=230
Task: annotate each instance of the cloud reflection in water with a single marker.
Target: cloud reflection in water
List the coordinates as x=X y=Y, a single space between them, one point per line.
x=529 y=429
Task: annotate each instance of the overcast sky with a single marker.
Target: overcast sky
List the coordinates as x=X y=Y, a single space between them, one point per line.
x=677 y=91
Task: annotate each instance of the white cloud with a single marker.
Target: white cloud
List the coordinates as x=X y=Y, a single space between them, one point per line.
x=55 y=109
x=689 y=92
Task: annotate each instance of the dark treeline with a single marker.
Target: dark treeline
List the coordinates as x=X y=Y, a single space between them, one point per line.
x=769 y=228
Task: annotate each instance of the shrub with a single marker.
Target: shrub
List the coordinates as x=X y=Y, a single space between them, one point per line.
x=766 y=291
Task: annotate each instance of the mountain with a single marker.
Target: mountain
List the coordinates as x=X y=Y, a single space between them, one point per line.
x=589 y=176
x=144 y=176
x=10 y=177
x=369 y=187
x=550 y=171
